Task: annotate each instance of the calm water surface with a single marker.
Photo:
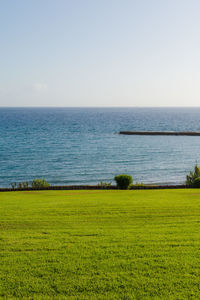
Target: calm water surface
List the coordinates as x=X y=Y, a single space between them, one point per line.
x=82 y=145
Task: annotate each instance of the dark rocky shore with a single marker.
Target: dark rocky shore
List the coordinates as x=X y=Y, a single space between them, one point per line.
x=96 y=187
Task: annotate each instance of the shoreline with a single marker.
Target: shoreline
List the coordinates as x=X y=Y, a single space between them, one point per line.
x=96 y=187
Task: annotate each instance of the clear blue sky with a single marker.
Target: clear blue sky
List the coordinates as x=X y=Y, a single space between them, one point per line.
x=99 y=53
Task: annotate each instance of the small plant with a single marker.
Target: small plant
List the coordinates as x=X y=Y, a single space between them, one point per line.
x=139 y=184
x=20 y=186
x=13 y=185
x=25 y=184
x=104 y=185
x=123 y=181
x=39 y=183
x=193 y=179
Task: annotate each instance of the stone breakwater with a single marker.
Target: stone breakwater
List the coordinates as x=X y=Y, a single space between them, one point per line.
x=185 y=133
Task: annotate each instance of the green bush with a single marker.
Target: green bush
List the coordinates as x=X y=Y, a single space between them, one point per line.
x=25 y=184
x=13 y=185
x=104 y=185
x=197 y=182
x=19 y=186
x=139 y=184
x=193 y=179
x=123 y=181
x=39 y=183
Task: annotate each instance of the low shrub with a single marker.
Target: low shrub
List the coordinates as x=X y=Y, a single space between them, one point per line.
x=19 y=185
x=13 y=185
x=123 y=181
x=139 y=184
x=193 y=179
x=104 y=185
x=39 y=183
x=25 y=184
x=196 y=182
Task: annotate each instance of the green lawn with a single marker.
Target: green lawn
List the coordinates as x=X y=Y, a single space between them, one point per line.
x=100 y=244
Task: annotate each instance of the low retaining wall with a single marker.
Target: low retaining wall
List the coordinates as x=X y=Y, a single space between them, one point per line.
x=95 y=187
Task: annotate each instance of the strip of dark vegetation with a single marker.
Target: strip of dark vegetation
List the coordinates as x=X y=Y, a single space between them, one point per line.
x=96 y=187
x=188 y=133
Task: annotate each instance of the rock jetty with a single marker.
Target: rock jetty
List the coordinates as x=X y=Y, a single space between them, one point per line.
x=188 y=133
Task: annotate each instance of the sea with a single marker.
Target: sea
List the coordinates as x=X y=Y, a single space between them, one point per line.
x=69 y=146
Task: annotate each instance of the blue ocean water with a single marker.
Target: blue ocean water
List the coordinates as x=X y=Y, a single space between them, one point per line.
x=82 y=145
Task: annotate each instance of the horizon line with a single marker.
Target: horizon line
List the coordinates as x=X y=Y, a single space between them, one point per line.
x=130 y=106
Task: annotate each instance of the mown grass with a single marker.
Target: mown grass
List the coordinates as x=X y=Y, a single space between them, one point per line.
x=100 y=244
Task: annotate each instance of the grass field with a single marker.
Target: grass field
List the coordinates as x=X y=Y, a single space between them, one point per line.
x=100 y=244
